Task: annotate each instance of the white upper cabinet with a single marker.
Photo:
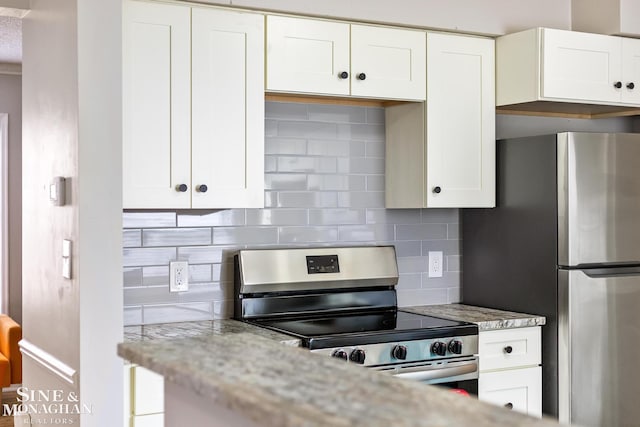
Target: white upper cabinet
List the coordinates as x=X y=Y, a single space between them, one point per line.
x=542 y=64
x=156 y=105
x=580 y=66
x=631 y=71
x=442 y=153
x=227 y=118
x=387 y=63
x=193 y=107
x=334 y=58
x=308 y=56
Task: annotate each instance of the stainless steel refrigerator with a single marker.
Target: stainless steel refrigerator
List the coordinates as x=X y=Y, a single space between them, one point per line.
x=564 y=242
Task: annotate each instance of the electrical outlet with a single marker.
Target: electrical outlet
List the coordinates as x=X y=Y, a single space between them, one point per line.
x=435 y=264
x=178 y=276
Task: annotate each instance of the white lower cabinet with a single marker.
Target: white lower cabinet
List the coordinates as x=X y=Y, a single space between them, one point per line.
x=510 y=372
x=144 y=397
x=517 y=389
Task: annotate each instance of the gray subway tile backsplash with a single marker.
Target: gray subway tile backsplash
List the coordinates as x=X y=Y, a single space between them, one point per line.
x=324 y=179
x=336 y=113
x=176 y=236
x=228 y=217
x=131 y=238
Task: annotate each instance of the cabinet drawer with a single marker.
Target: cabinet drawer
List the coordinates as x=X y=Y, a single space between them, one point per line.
x=518 y=389
x=148 y=392
x=509 y=348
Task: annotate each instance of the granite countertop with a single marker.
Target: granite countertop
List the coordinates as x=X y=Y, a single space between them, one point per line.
x=203 y=329
x=280 y=386
x=486 y=318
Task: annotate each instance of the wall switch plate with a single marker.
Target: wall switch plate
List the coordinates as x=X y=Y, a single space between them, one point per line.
x=178 y=276
x=57 y=191
x=435 y=264
x=66 y=259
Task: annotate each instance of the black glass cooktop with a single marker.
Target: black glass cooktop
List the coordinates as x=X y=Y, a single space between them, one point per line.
x=367 y=328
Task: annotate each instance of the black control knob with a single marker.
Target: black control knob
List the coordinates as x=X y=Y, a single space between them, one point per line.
x=340 y=354
x=617 y=85
x=182 y=188
x=202 y=188
x=357 y=356
x=508 y=405
x=362 y=76
x=439 y=348
x=399 y=352
x=508 y=349
x=630 y=85
x=343 y=75
x=437 y=190
x=455 y=347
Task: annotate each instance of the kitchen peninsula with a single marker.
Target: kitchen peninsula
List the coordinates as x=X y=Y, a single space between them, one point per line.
x=230 y=373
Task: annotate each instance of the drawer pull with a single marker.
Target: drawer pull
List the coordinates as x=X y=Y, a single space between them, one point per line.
x=509 y=405
x=508 y=349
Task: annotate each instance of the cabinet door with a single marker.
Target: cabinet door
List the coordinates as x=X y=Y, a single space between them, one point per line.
x=305 y=55
x=156 y=105
x=148 y=392
x=630 y=71
x=227 y=109
x=517 y=389
x=580 y=66
x=392 y=62
x=460 y=121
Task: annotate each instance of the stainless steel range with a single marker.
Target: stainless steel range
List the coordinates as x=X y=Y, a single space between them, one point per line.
x=341 y=302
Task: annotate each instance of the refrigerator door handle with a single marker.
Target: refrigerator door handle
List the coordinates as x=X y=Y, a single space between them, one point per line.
x=612 y=271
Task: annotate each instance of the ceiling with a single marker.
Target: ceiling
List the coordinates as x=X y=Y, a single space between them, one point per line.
x=10 y=40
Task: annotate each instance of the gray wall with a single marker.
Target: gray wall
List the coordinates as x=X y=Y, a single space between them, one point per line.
x=11 y=103
x=325 y=186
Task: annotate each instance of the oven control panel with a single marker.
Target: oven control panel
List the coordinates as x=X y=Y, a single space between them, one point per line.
x=405 y=351
x=322 y=264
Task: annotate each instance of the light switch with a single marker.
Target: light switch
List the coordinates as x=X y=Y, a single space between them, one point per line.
x=66 y=259
x=57 y=191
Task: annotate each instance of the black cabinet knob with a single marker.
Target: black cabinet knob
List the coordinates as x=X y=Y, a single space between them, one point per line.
x=340 y=354
x=202 y=188
x=357 y=356
x=630 y=85
x=617 y=85
x=182 y=188
x=437 y=190
x=508 y=349
x=343 y=75
x=399 y=352
x=509 y=405
x=362 y=76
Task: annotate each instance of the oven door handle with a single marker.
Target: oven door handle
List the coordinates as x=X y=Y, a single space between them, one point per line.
x=421 y=374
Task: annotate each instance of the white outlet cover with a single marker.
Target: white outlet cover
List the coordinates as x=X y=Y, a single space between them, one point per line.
x=178 y=276
x=435 y=264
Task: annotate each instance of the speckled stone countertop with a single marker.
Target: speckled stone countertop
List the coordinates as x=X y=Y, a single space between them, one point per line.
x=203 y=329
x=486 y=318
x=279 y=386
